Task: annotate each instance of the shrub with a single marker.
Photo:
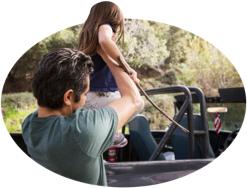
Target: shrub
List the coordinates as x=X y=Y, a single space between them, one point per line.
x=15 y=107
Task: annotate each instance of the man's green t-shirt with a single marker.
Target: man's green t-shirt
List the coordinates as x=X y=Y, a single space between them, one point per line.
x=72 y=146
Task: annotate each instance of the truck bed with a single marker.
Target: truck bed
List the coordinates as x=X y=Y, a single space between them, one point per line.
x=130 y=174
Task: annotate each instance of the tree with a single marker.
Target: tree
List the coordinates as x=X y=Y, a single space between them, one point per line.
x=19 y=78
x=207 y=68
x=144 y=44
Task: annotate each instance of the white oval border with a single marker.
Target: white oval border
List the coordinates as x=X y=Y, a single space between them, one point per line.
x=23 y=23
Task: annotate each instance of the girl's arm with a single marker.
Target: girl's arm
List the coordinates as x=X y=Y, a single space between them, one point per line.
x=110 y=48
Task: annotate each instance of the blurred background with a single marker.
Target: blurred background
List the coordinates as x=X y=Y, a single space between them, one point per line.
x=162 y=54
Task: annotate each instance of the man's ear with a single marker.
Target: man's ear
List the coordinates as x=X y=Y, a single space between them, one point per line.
x=68 y=97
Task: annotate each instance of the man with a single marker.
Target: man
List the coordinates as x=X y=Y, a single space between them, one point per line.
x=62 y=135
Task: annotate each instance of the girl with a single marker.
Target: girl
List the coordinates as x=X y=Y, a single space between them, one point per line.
x=101 y=31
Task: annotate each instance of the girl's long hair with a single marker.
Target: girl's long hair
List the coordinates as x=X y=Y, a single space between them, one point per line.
x=101 y=13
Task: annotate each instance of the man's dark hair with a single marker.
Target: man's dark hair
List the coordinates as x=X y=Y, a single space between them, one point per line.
x=59 y=71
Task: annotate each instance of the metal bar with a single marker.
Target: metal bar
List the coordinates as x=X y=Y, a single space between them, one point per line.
x=187 y=106
x=123 y=65
x=202 y=101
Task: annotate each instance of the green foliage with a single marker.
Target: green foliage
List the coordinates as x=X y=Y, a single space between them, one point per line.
x=207 y=68
x=144 y=43
x=19 y=78
x=156 y=119
x=15 y=108
x=177 y=45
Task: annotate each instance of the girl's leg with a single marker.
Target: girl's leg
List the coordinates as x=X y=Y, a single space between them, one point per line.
x=101 y=99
